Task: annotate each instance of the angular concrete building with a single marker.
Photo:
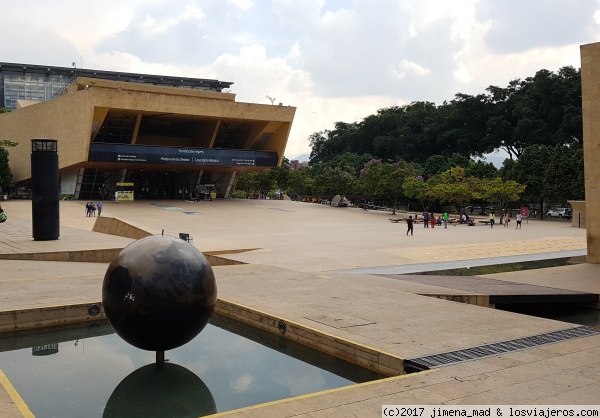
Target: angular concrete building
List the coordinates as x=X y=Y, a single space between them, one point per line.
x=158 y=136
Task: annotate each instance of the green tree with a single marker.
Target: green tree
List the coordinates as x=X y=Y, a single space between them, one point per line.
x=261 y=182
x=531 y=171
x=6 y=143
x=300 y=182
x=458 y=160
x=326 y=145
x=501 y=192
x=540 y=110
x=435 y=164
x=385 y=180
x=350 y=162
x=265 y=182
x=5 y=173
x=246 y=183
x=463 y=126
x=416 y=188
x=333 y=180
x=482 y=170
x=454 y=187
x=564 y=175
x=281 y=175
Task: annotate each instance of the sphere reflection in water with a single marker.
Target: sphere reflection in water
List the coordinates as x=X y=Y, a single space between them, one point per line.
x=159 y=293
x=172 y=391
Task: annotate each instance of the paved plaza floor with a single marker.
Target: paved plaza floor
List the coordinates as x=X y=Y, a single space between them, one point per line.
x=334 y=269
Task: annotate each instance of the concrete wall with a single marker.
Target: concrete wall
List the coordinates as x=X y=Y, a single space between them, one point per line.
x=67 y=120
x=364 y=356
x=68 y=182
x=579 y=213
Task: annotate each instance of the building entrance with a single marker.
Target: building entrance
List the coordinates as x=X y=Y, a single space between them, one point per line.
x=163 y=185
x=102 y=184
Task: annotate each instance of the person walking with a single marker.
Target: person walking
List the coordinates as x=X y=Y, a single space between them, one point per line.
x=506 y=219
x=425 y=219
x=519 y=220
x=88 y=209
x=116 y=196
x=432 y=220
x=409 y=223
x=445 y=220
x=99 y=206
x=492 y=218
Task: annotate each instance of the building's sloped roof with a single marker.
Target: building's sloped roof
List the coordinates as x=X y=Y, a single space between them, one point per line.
x=159 y=80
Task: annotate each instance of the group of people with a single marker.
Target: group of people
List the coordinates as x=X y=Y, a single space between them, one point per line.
x=430 y=219
x=519 y=218
x=90 y=208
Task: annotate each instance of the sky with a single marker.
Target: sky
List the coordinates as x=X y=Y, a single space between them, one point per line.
x=334 y=60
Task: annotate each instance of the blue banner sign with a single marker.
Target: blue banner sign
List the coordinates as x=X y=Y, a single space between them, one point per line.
x=143 y=154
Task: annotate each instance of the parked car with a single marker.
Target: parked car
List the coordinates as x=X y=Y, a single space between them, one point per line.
x=559 y=213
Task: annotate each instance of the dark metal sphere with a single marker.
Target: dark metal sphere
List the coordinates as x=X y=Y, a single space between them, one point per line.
x=159 y=293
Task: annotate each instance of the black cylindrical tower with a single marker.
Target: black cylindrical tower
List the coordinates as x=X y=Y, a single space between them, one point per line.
x=44 y=189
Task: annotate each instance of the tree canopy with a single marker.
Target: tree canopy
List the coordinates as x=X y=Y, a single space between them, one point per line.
x=541 y=110
x=431 y=155
x=5 y=173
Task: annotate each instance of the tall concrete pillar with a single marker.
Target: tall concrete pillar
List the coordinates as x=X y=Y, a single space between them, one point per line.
x=45 y=189
x=590 y=96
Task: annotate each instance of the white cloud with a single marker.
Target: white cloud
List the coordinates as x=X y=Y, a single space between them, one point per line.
x=242 y=383
x=462 y=73
x=300 y=380
x=334 y=60
x=409 y=67
x=152 y=26
x=242 y=4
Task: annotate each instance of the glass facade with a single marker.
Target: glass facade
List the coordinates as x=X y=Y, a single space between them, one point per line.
x=37 y=82
x=29 y=86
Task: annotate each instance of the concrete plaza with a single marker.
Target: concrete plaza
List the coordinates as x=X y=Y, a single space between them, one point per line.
x=325 y=268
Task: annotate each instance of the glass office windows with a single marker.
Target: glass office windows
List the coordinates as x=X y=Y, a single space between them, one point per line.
x=37 y=87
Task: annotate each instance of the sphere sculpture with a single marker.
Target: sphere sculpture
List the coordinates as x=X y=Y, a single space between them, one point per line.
x=159 y=293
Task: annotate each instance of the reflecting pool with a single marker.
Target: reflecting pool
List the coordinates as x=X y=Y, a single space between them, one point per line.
x=88 y=371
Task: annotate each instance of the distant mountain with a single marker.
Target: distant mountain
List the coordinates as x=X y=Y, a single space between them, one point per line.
x=302 y=158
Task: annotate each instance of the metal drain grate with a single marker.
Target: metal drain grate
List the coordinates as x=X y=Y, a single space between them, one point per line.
x=489 y=350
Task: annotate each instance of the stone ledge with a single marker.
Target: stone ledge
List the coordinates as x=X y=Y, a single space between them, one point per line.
x=33 y=318
x=381 y=362
x=114 y=226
